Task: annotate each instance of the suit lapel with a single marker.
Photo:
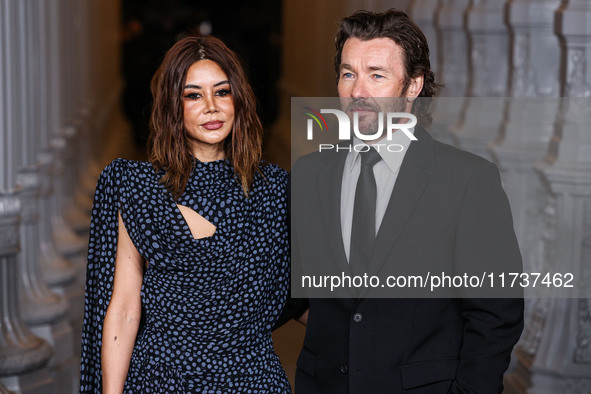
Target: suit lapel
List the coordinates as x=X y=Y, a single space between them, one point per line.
x=330 y=178
x=409 y=186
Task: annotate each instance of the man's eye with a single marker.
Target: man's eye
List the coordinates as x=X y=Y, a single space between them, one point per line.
x=193 y=96
x=223 y=92
x=347 y=76
x=378 y=76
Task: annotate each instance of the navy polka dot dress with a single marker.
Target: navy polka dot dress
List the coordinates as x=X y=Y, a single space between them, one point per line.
x=208 y=305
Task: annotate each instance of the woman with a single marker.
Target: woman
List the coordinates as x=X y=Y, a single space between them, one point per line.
x=189 y=252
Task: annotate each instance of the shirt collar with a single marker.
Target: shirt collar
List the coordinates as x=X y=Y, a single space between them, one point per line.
x=392 y=159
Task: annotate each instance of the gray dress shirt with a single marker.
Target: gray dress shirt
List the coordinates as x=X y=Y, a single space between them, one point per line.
x=385 y=172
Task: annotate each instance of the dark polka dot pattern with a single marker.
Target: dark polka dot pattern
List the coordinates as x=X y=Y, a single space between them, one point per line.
x=208 y=305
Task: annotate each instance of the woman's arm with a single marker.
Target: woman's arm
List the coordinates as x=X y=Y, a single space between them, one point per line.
x=123 y=314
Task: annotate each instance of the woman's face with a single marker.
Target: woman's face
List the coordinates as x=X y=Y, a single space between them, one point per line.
x=208 y=109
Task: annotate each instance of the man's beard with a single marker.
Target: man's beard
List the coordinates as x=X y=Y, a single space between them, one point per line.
x=369 y=121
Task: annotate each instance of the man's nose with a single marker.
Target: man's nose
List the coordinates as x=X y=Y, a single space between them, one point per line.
x=360 y=89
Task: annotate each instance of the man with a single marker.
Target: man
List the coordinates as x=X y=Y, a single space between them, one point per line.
x=433 y=204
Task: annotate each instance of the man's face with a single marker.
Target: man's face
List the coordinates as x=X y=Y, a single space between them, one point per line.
x=371 y=80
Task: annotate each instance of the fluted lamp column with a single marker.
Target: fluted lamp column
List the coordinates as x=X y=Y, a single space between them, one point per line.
x=62 y=55
x=562 y=361
x=58 y=271
x=488 y=73
x=44 y=310
x=531 y=115
x=82 y=175
x=22 y=354
x=452 y=63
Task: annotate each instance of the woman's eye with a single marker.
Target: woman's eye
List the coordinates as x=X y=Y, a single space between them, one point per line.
x=193 y=96
x=223 y=92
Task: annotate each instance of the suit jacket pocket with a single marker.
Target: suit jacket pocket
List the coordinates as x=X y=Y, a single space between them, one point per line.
x=429 y=371
x=307 y=362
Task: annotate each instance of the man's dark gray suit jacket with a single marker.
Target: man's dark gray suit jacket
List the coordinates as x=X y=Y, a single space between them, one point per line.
x=447 y=210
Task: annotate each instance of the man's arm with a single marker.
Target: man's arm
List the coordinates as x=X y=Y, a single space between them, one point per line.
x=486 y=242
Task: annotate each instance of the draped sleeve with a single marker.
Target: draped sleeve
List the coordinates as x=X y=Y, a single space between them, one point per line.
x=102 y=248
x=279 y=236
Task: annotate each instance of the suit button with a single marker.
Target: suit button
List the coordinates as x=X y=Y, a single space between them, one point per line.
x=357 y=317
x=344 y=369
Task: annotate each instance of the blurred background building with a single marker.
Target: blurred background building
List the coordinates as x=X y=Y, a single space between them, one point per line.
x=74 y=94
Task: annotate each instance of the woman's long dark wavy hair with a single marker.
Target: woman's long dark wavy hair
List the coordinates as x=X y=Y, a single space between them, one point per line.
x=168 y=144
